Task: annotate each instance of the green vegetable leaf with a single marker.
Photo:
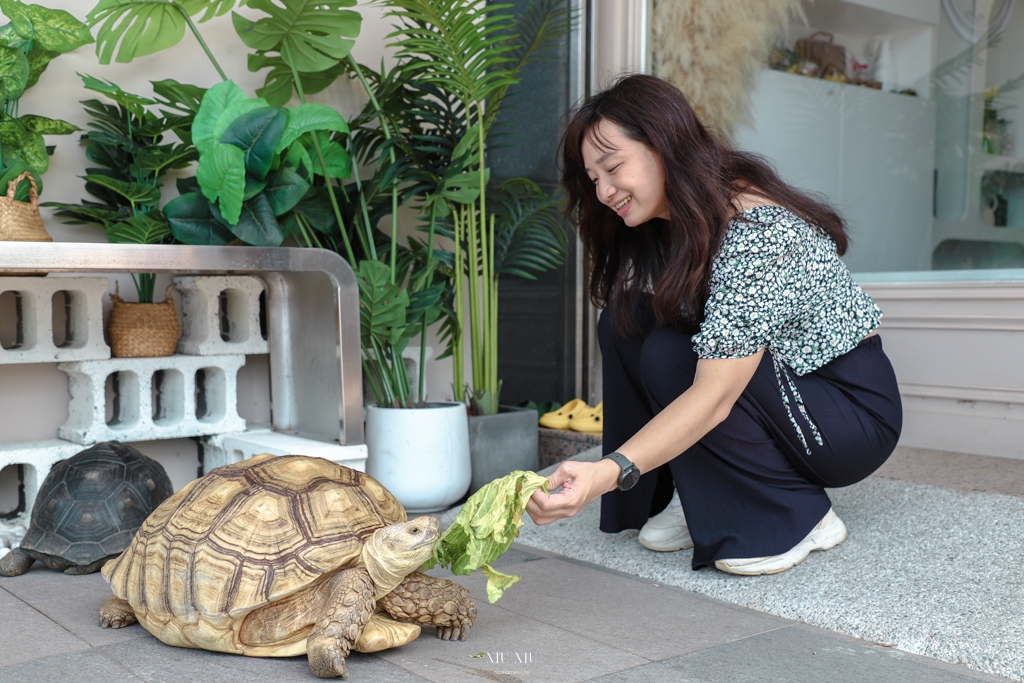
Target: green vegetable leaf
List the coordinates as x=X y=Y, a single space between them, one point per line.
x=192 y=221
x=257 y=133
x=310 y=35
x=14 y=71
x=216 y=100
x=485 y=528
x=309 y=117
x=221 y=176
x=285 y=189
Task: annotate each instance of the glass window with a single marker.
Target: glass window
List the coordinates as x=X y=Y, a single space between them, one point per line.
x=907 y=116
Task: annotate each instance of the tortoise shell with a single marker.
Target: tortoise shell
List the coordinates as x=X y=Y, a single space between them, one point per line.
x=90 y=505
x=243 y=536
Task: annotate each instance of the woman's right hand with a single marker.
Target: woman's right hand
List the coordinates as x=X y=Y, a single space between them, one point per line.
x=580 y=482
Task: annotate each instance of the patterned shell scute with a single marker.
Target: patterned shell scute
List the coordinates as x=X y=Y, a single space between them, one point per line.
x=273 y=525
x=90 y=505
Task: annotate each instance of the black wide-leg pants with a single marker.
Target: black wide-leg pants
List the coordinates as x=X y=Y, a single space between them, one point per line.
x=748 y=488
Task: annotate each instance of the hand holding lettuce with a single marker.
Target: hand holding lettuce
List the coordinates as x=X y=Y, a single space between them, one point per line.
x=485 y=528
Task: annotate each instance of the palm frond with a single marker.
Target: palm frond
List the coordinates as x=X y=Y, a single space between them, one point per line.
x=529 y=237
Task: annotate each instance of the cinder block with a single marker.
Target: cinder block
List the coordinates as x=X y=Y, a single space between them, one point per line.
x=37 y=457
x=224 y=449
x=152 y=398
x=220 y=314
x=29 y=317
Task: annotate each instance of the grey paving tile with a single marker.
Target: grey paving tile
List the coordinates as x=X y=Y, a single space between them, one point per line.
x=89 y=666
x=793 y=655
x=72 y=601
x=509 y=647
x=25 y=634
x=652 y=621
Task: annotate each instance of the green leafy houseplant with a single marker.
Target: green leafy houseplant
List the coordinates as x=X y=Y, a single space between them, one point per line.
x=34 y=37
x=472 y=53
x=256 y=176
x=126 y=142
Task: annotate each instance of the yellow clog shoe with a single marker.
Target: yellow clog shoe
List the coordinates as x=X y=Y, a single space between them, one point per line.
x=590 y=421
x=559 y=419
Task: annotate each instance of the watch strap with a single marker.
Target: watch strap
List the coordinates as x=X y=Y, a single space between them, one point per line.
x=622 y=461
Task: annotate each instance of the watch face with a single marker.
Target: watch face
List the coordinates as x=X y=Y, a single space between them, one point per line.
x=629 y=478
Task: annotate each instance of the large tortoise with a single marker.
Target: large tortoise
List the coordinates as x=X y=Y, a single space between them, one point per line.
x=283 y=556
x=88 y=509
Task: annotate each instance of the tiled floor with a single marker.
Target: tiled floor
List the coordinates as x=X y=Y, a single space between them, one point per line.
x=565 y=621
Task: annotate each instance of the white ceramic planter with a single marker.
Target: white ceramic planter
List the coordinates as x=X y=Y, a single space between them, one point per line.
x=421 y=455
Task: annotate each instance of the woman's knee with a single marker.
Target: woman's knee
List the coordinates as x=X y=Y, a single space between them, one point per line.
x=668 y=364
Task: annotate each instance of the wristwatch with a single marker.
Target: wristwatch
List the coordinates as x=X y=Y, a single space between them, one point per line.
x=630 y=475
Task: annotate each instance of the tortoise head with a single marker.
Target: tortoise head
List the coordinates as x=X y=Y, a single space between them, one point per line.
x=408 y=543
x=395 y=551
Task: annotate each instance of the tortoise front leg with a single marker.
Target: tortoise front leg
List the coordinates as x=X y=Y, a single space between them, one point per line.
x=116 y=613
x=425 y=600
x=348 y=604
x=15 y=563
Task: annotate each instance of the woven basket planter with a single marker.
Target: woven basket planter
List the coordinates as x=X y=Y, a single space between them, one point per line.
x=20 y=221
x=143 y=330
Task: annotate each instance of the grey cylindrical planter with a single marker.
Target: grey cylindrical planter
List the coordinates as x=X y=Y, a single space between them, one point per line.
x=502 y=443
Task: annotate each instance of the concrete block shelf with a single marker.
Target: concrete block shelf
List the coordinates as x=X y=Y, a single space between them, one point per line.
x=221 y=314
x=225 y=449
x=144 y=399
x=46 y=320
x=37 y=458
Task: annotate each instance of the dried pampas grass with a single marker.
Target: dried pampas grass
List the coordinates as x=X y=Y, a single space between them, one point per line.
x=712 y=49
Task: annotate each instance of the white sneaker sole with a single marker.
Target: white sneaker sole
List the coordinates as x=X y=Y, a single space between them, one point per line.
x=667 y=531
x=825 y=538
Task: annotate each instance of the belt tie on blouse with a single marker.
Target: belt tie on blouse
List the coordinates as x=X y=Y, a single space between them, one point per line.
x=780 y=372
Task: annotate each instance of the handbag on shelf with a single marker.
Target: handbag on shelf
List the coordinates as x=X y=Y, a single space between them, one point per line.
x=20 y=221
x=820 y=49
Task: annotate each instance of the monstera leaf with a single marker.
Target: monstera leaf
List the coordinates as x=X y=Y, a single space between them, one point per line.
x=135 y=28
x=307 y=35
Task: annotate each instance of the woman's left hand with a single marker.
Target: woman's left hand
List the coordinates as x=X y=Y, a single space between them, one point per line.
x=581 y=483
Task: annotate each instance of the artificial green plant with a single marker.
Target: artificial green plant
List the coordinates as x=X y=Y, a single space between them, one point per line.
x=473 y=52
x=35 y=36
x=127 y=143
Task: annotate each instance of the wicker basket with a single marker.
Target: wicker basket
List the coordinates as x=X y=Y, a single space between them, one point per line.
x=143 y=330
x=20 y=221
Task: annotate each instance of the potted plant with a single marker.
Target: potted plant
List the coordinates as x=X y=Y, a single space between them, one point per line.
x=472 y=56
x=34 y=37
x=266 y=172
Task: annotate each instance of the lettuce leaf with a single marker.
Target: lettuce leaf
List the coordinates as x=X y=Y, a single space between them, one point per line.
x=485 y=528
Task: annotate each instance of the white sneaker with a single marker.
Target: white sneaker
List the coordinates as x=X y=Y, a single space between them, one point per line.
x=828 y=533
x=667 y=530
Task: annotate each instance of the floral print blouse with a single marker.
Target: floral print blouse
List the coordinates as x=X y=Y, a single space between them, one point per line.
x=777 y=283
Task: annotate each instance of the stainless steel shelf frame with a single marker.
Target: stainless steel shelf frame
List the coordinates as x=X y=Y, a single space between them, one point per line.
x=315 y=371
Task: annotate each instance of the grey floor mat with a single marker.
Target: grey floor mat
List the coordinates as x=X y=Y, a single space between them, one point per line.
x=929 y=570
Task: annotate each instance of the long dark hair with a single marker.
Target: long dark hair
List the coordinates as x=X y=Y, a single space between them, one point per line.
x=703 y=176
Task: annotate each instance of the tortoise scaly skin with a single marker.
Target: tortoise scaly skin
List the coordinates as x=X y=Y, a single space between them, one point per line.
x=283 y=556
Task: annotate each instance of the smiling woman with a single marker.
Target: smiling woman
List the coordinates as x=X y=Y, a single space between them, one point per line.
x=740 y=359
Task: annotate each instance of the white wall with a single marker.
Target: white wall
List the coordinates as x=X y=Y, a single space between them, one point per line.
x=33 y=398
